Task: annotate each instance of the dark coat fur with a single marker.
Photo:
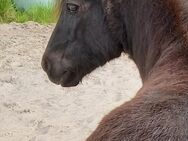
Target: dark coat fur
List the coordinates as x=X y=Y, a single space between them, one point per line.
x=157 y=42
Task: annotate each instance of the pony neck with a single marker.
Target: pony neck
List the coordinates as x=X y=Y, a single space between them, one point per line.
x=154 y=31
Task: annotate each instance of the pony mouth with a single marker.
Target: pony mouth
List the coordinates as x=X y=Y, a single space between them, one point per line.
x=69 y=79
x=65 y=79
x=70 y=84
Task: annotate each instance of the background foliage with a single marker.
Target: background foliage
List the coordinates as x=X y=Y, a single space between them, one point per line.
x=41 y=14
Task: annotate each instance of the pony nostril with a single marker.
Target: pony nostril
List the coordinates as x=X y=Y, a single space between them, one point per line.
x=65 y=72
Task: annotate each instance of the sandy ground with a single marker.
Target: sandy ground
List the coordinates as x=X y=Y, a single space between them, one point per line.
x=34 y=109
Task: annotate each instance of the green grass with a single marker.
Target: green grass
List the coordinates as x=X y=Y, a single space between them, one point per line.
x=7 y=12
x=40 y=14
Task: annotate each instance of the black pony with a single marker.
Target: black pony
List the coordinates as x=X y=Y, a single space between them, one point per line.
x=90 y=33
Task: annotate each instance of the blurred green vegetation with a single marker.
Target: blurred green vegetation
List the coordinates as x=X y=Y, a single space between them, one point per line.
x=41 y=14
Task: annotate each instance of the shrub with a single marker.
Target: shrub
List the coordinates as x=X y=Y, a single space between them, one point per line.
x=41 y=14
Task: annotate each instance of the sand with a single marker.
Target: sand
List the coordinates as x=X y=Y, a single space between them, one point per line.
x=34 y=109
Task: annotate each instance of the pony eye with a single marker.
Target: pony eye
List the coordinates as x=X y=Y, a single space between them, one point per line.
x=72 y=8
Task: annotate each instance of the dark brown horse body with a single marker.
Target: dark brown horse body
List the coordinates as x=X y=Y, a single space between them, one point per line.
x=155 y=36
